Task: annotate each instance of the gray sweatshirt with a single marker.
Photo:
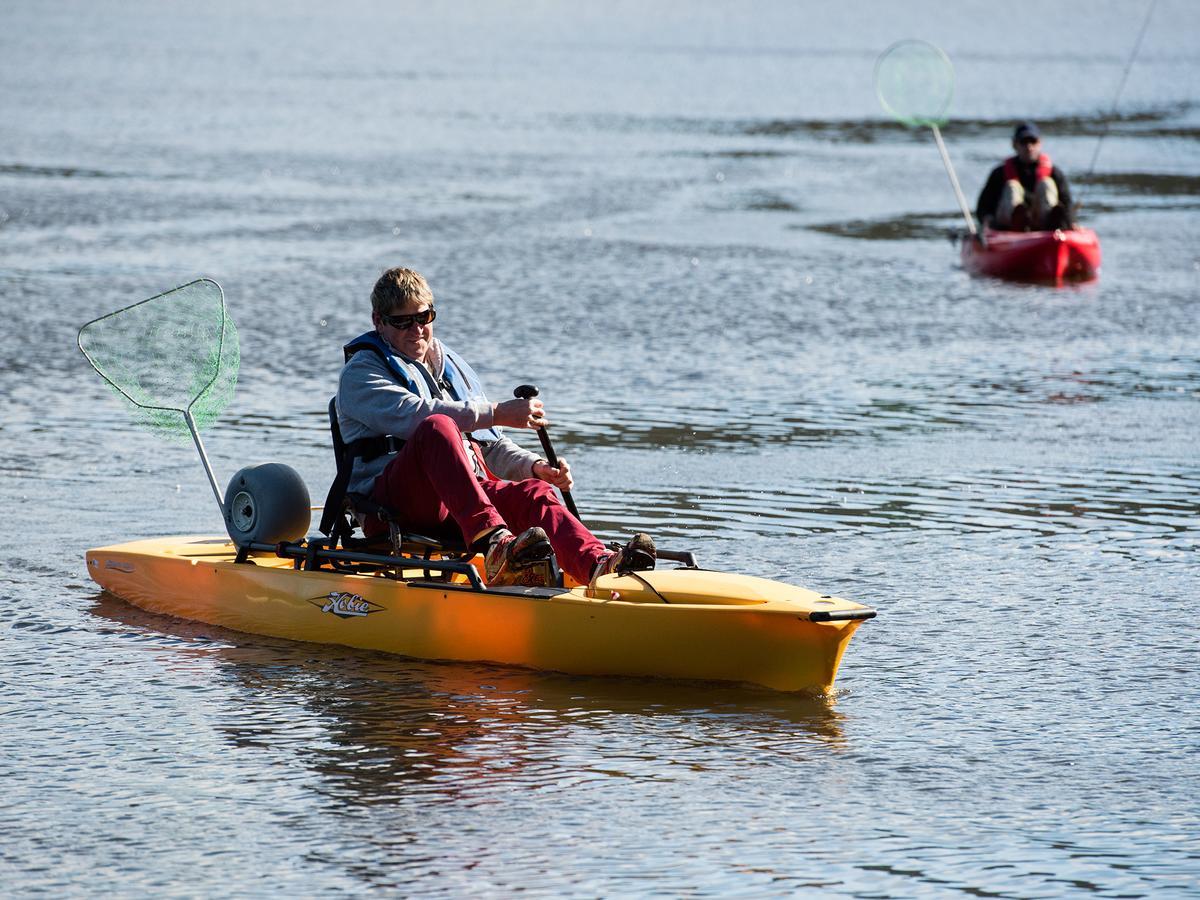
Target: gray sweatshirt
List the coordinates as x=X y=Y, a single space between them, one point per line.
x=371 y=402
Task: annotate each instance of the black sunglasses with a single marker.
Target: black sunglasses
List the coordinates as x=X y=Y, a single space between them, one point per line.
x=424 y=317
x=1029 y=140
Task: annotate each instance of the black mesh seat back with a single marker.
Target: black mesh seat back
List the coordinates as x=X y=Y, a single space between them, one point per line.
x=338 y=518
x=335 y=501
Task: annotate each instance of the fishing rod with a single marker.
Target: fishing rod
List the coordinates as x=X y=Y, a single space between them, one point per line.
x=1116 y=99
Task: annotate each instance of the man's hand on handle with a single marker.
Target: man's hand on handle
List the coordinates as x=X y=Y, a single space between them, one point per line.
x=561 y=477
x=519 y=413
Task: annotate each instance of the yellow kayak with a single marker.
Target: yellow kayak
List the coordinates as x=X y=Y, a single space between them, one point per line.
x=681 y=622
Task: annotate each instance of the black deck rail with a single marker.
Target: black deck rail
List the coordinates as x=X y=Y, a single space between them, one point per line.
x=310 y=554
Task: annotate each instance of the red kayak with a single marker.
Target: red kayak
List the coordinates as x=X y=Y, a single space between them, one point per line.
x=1041 y=256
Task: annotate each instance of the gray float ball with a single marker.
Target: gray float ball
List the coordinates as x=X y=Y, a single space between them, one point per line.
x=266 y=504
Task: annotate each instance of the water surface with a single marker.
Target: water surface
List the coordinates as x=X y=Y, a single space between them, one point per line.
x=729 y=273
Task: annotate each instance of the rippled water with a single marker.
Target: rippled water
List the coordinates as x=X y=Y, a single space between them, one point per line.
x=692 y=226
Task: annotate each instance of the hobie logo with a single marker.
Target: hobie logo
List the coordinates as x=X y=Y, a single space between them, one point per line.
x=344 y=605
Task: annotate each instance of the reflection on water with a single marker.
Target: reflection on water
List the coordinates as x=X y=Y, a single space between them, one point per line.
x=912 y=226
x=376 y=727
x=1165 y=122
x=1118 y=512
x=937 y=400
x=1161 y=190
x=52 y=171
x=758 y=201
x=1147 y=184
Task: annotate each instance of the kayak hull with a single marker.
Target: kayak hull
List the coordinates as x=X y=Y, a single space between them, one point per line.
x=1035 y=256
x=673 y=623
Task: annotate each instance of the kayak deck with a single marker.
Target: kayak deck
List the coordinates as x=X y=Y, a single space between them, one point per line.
x=678 y=623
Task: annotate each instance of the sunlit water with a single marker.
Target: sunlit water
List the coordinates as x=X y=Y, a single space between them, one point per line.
x=693 y=227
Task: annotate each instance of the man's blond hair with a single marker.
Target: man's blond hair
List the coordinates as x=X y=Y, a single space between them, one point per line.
x=396 y=287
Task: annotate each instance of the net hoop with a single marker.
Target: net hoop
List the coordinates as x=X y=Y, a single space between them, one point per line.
x=914 y=81
x=178 y=357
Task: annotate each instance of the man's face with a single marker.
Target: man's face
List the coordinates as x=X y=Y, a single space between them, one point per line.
x=1028 y=149
x=411 y=340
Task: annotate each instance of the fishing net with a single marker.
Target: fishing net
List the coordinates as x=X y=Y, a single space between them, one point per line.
x=915 y=82
x=171 y=356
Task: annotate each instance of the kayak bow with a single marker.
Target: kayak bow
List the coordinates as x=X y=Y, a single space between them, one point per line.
x=1035 y=256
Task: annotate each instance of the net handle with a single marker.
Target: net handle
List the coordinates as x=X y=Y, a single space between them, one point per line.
x=958 y=191
x=208 y=469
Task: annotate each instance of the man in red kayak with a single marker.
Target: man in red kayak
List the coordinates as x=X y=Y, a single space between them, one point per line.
x=428 y=445
x=1027 y=192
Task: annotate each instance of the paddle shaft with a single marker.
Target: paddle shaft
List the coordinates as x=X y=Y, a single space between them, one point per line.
x=525 y=392
x=962 y=200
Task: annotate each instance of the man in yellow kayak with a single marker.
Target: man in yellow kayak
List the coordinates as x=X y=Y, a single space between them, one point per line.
x=1026 y=192
x=444 y=460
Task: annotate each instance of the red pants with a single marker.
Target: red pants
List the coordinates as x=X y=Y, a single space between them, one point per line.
x=431 y=481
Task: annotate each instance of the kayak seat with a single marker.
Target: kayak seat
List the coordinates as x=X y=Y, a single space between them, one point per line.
x=340 y=517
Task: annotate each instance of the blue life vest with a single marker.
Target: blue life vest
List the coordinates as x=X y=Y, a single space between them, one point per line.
x=460 y=379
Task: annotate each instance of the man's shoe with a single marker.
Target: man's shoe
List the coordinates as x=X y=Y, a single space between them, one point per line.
x=638 y=555
x=523 y=560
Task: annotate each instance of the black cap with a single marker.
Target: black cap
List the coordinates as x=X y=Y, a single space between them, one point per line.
x=1027 y=130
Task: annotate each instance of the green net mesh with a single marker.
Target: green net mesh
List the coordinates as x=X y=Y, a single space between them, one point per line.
x=174 y=353
x=915 y=82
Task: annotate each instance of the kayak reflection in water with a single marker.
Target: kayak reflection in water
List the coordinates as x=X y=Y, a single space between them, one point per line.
x=428 y=445
x=1026 y=192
